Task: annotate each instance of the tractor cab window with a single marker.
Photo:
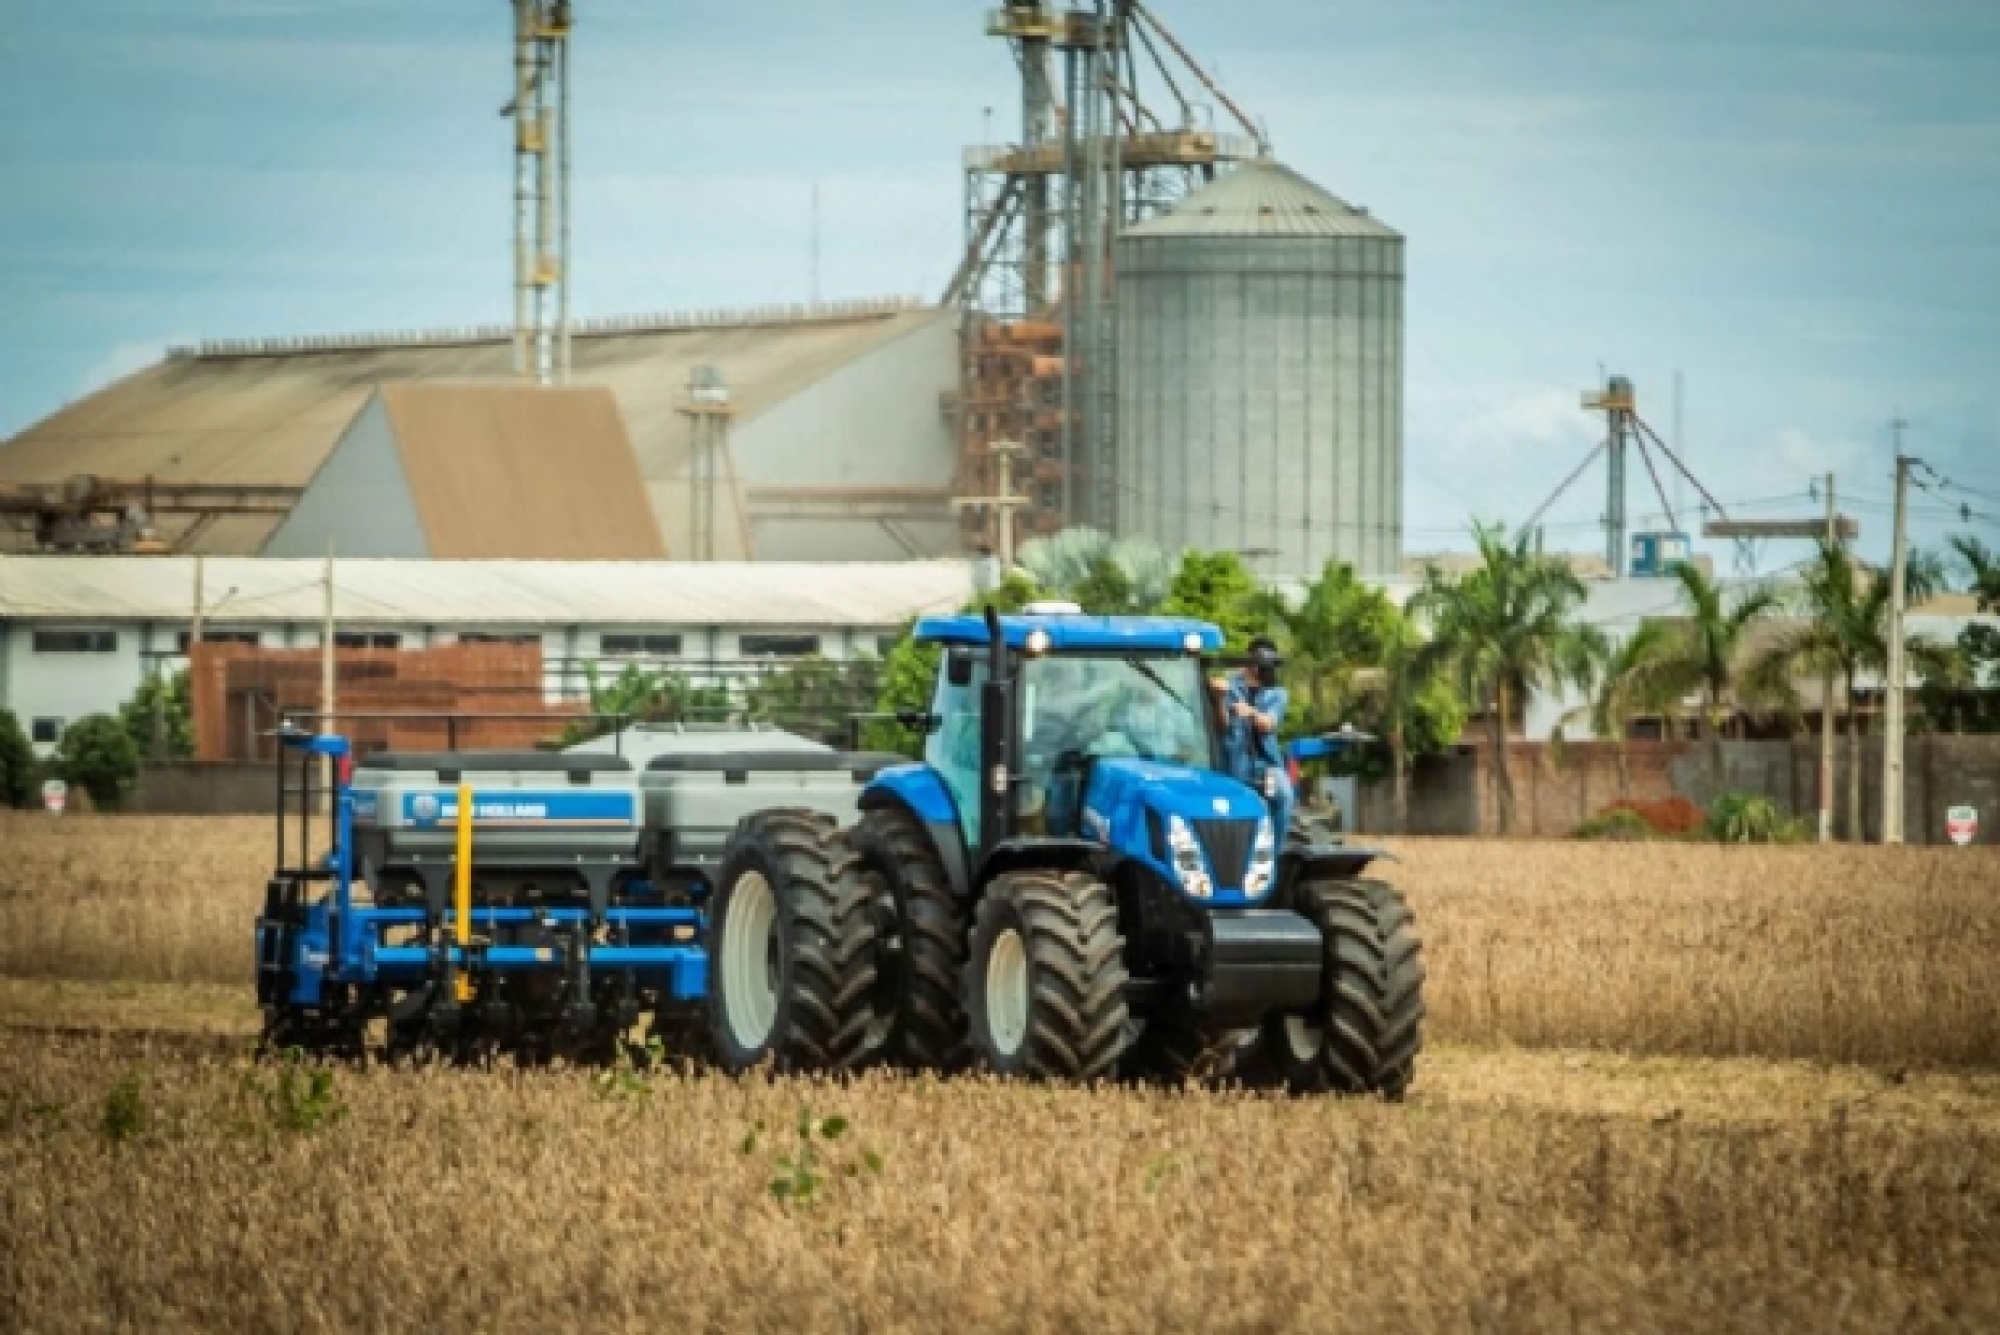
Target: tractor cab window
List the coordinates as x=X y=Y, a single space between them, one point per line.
x=952 y=749
x=1075 y=709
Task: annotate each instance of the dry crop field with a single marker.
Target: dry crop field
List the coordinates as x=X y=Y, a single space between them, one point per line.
x=1668 y=1087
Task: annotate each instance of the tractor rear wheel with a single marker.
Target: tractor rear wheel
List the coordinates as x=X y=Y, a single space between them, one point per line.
x=791 y=972
x=921 y=1023
x=1310 y=829
x=1364 y=1035
x=1045 y=987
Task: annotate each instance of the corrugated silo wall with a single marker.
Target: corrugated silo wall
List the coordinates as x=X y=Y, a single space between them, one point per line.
x=1260 y=397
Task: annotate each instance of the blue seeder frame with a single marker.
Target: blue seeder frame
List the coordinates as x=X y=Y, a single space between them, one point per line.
x=340 y=942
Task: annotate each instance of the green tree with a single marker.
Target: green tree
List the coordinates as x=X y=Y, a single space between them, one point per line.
x=18 y=775
x=1414 y=706
x=813 y=695
x=1634 y=684
x=1215 y=586
x=1084 y=565
x=1970 y=700
x=1708 y=651
x=160 y=717
x=909 y=670
x=1506 y=629
x=640 y=696
x=1844 y=632
x=1107 y=590
x=1340 y=628
x=98 y=755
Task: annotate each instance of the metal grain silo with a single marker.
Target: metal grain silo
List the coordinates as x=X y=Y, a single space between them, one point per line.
x=1260 y=377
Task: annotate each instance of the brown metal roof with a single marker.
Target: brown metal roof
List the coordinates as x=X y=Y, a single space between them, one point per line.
x=519 y=472
x=271 y=413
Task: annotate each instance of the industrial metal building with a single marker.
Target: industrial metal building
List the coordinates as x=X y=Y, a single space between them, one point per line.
x=79 y=634
x=1260 y=377
x=837 y=447
x=478 y=470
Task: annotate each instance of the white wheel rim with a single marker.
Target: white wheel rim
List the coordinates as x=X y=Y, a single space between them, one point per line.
x=749 y=969
x=1304 y=1040
x=1007 y=992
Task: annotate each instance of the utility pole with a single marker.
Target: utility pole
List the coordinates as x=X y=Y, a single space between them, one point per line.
x=1003 y=503
x=1826 y=684
x=1892 y=741
x=326 y=648
x=194 y=636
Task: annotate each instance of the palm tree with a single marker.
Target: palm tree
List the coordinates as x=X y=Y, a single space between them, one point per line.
x=1408 y=670
x=1507 y=629
x=1635 y=682
x=1982 y=563
x=1084 y=561
x=1707 y=650
x=1846 y=633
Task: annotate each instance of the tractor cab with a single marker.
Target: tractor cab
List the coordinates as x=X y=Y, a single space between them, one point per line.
x=1070 y=693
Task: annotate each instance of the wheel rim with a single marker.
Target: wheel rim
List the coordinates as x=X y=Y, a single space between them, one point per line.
x=1303 y=1041
x=1007 y=992
x=750 y=963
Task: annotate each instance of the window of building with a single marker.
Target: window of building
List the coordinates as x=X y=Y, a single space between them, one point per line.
x=660 y=646
x=46 y=731
x=76 y=641
x=367 y=639
x=219 y=637
x=777 y=646
x=498 y=637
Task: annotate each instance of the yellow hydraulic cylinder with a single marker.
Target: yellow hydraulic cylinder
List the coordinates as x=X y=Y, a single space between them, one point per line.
x=462 y=899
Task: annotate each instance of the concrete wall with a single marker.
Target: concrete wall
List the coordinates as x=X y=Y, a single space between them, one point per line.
x=203 y=788
x=360 y=496
x=1939 y=772
x=1556 y=789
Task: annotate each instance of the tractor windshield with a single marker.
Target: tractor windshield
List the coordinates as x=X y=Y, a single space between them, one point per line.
x=1104 y=705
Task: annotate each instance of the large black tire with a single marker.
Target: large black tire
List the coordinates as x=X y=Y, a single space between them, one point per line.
x=921 y=1020
x=1310 y=829
x=791 y=964
x=1365 y=1033
x=1045 y=985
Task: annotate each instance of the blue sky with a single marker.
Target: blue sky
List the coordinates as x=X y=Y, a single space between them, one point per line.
x=1794 y=203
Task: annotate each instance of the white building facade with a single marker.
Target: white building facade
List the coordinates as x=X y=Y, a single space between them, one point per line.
x=79 y=635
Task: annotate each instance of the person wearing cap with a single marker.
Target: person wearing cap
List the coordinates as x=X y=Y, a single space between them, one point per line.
x=1252 y=708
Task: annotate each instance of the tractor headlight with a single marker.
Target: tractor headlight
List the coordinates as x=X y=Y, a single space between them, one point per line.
x=1038 y=642
x=1189 y=864
x=1263 y=861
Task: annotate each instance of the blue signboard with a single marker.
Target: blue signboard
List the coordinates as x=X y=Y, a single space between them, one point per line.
x=521 y=807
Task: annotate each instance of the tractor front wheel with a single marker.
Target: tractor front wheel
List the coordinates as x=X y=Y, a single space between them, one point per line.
x=1045 y=987
x=1364 y=1035
x=791 y=971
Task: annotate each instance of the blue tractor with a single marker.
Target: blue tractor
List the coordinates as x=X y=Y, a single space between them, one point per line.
x=1069 y=886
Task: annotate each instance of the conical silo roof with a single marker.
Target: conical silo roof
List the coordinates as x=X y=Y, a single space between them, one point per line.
x=1263 y=198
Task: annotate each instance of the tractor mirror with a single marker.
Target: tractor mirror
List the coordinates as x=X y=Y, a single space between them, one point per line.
x=958 y=667
x=918 y=720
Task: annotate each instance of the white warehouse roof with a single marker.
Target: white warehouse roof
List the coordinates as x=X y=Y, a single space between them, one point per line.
x=479 y=593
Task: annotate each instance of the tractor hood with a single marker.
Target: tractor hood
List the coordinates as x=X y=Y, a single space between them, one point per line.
x=1132 y=805
x=1171 y=790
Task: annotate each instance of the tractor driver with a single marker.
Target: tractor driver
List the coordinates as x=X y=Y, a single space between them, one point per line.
x=1252 y=707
